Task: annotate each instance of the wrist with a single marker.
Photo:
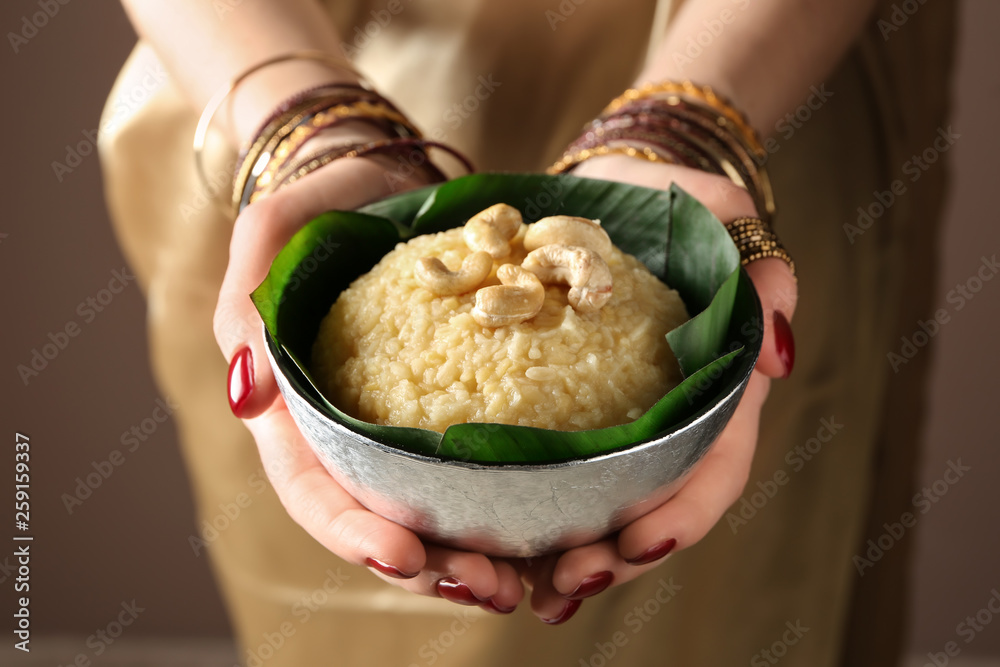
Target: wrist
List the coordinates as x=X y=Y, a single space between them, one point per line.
x=725 y=199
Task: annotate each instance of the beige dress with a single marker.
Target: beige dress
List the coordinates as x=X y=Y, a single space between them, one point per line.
x=510 y=83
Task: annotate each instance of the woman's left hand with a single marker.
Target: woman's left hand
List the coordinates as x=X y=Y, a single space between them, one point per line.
x=559 y=582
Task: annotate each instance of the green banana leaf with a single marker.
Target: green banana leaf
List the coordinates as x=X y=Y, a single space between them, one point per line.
x=673 y=234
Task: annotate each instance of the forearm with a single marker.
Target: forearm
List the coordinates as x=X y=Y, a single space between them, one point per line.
x=763 y=54
x=204 y=49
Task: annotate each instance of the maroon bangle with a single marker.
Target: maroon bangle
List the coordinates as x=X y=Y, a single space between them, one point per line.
x=684 y=154
x=306 y=166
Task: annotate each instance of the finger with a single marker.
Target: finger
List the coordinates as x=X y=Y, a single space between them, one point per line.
x=322 y=507
x=259 y=232
x=466 y=578
x=463 y=577
x=778 y=294
x=714 y=485
x=510 y=590
x=546 y=602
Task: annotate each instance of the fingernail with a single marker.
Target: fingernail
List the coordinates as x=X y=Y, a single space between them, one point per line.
x=592 y=585
x=240 y=380
x=567 y=613
x=453 y=590
x=494 y=608
x=388 y=570
x=653 y=553
x=784 y=342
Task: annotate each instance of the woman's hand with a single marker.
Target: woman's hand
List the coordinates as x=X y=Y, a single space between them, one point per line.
x=559 y=582
x=311 y=497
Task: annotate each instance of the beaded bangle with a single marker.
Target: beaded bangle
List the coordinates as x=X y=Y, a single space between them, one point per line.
x=755 y=240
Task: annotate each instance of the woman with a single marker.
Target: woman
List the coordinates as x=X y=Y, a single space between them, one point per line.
x=774 y=579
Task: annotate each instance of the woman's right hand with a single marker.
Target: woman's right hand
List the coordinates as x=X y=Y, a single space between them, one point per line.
x=310 y=495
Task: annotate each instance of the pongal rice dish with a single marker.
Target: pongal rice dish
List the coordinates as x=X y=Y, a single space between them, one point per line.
x=545 y=325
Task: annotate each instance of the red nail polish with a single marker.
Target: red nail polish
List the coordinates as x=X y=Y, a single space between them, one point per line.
x=493 y=607
x=653 y=553
x=592 y=585
x=566 y=613
x=784 y=342
x=240 y=380
x=388 y=570
x=453 y=590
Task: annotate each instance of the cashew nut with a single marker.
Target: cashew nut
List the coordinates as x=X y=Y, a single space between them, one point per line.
x=435 y=276
x=518 y=298
x=491 y=230
x=582 y=269
x=568 y=230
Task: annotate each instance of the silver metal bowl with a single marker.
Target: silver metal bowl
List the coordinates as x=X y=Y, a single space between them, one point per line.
x=513 y=510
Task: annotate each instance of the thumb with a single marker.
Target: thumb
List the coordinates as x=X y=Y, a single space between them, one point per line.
x=239 y=330
x=779 y=295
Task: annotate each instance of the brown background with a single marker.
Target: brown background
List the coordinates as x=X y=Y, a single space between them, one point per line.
x=129 y=539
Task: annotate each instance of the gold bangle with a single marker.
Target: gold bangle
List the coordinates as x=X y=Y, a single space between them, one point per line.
x=326 y=118
x=730 y=143
x=568 y=161
x=754 y=167
x=703 y=93
x=755 y=240
x=284 y=120
x=205 y=120
x=305 y=166
x=259 y=154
